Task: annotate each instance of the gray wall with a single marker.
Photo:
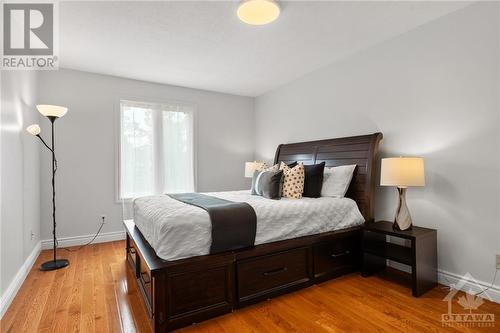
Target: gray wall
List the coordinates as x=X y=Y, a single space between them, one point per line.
x=433 y=92
x=86 y=145
x=20 y=173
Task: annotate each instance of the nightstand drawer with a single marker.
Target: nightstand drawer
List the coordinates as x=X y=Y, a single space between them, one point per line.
x=336 y=257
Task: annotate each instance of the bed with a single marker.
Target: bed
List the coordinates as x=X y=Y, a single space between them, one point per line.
x=182 y=284
x=176 y=230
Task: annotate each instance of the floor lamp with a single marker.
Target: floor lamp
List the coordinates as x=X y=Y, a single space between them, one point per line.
x=52 y=112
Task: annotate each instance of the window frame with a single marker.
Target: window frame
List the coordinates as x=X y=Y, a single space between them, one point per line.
x=118 y=134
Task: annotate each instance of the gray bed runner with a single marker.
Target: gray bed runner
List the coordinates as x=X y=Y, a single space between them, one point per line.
x=234 y=224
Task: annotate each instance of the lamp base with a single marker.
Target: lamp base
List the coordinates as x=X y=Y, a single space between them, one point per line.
x=403 y=219
x=54 y=264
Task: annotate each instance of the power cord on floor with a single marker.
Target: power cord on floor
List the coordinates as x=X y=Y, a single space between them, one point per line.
x=450 y=284
x=84 y=245
x=491 y=285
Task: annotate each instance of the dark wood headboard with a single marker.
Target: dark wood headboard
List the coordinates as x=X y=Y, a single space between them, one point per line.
x=360 y=150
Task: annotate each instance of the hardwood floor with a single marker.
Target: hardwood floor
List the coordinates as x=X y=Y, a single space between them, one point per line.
x=96 y=293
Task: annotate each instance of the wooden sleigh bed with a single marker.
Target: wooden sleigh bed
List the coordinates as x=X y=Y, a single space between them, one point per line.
x=181 y=292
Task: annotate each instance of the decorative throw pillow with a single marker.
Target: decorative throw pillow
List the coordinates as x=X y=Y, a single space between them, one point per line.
x=274 y=168
x=313 y=180
x=336 y=181
x=267 y=184
x=293 y=180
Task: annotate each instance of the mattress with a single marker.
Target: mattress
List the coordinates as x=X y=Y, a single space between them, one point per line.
x=177 y=230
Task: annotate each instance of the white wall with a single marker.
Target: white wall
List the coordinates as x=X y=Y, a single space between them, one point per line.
x=20 y=174
x=433 y=92
x=86 y=145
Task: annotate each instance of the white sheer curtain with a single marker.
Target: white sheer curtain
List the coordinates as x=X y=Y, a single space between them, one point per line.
x=178 y=150
x=137 y=150
x=156 y=149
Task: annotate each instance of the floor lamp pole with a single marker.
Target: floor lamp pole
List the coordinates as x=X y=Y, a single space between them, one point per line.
x=55 y=263
x=53 y=190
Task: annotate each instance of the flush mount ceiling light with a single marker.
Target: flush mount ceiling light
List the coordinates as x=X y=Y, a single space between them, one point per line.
x=258 y=12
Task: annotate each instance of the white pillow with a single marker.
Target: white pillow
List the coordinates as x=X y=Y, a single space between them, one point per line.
x=336 y=180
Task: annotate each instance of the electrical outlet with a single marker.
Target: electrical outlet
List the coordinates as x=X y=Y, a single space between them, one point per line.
x=102 y=219
x=498 y=261
x=32 y=236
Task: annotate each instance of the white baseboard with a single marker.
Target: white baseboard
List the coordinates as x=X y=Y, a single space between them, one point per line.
x=80 y=240
x=16 y=283
x=448 y=279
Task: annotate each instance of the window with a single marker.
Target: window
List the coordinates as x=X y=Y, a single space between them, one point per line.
x=156 y=149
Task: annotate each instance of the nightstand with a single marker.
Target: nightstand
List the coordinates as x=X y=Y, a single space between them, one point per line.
x=421 y=255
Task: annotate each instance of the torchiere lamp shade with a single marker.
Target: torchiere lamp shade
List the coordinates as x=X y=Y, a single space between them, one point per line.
x=52 y=110
x=33 y=129
x=402 y=172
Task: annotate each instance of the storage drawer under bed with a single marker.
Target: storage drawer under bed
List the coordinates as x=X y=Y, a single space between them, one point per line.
x=266 y=276
x=132 y=255
x=336 y=257
x=145 y=279
x=141 y=272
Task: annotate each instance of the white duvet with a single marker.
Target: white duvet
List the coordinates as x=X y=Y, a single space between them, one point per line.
x=177 y=230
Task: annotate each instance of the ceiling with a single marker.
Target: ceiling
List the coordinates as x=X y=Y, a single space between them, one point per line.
x=203 y=45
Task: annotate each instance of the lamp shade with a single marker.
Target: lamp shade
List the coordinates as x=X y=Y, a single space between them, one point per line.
x=52 y=110
x=258 y=12
x=33 y=129
x=250 y=168
x=402 y=171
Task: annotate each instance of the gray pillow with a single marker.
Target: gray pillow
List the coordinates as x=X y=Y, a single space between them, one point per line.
x=267 y=184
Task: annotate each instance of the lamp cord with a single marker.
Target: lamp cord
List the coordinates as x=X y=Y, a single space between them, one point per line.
x=84 y=245
x=491 y=285
x=54 y=205
x=478 y=293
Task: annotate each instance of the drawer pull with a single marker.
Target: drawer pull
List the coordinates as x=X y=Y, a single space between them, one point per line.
x=275 y=271
x=336 y=255
x=132 y=250
x=145 y=277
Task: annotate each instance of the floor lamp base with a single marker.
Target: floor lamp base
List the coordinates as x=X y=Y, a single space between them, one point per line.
x=54 y=264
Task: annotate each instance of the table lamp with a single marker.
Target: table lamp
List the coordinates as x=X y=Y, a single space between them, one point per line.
x=250 y=168
x=402 y=172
